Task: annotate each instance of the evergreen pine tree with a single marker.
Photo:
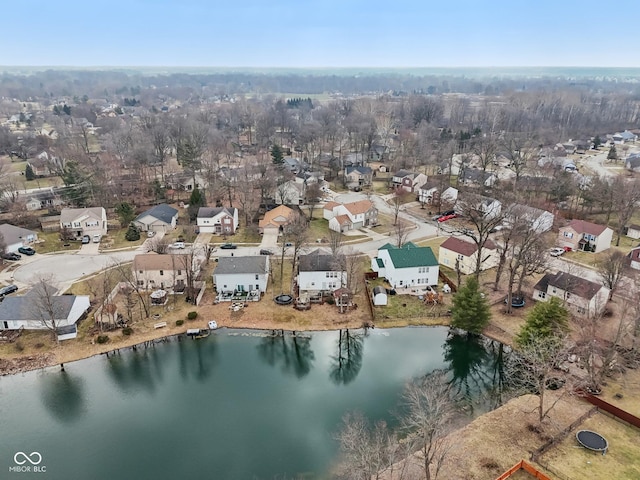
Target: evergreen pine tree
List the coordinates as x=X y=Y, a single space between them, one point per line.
x=470 y=310
x=547 y=320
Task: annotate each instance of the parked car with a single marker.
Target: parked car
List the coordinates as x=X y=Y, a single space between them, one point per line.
x=288 y=244
x=86 y=239
x=449 y=212
x=11 y=256
x=266 y=252
x=228 y=246
x=556 y=251
x=27 y=251
x=7 y=290
x=444 y=218
x=436 y=217
x=179 y=245
x=150 y=233
x=96 y=238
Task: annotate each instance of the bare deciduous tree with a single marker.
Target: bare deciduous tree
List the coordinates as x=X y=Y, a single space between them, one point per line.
x=401 y=231
x=45 y=306
x=612 y=269
x=427 y=416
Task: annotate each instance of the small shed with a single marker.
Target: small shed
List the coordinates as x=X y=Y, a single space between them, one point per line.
x=379 y=296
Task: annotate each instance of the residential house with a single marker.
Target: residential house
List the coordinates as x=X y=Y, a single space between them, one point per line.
x=45 y=164
x=461 y=254
x=161 y=218
x=430 y=192
x=620 y=138
x=377 y=153
x=633 y=231
x=294 y=165
x=585 y=236
x=318 y=272
x=84 y=221
x=350 y=216
x=46 y=198
x=634 y=258
x=16 y=237
x=475 y=176
x=352 y=159
x=21 y=311
x=408 y=181
x=489 y=207
x=539 y=220
x=185 y=181
x=276 y=219
x=218 y=220
x=408 y=266
x=241 y=274
x=358 y=177
x=290 y=193
x=153 y=271
x=307 y=178
x=633 y=162
x=579 y=295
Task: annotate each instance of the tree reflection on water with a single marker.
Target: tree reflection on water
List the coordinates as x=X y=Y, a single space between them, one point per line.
x=346 y=364
x=63 y=396
x=291 y=351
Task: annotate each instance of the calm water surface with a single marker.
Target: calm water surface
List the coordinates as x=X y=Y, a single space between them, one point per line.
x=235 y=405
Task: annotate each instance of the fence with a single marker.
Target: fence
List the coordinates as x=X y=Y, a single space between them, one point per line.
x=612 y=409
x=522 y=465
x=558 y=438
x=445 y=279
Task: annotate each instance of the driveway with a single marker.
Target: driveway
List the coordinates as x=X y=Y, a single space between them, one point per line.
x=269 y=239
x=89 y=249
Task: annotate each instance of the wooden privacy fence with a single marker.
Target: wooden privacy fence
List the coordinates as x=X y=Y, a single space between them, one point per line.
x=612 y=409
x=522 y=465
x=445 y=279
x=562 y=435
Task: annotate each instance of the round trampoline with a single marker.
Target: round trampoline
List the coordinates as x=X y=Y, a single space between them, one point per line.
x=283 y=299
x=592 y=441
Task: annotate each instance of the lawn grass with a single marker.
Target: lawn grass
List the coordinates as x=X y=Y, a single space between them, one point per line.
x=114 y=240
x=318 y=228
x=385 y=224
x=622 y=460
x=50 y=242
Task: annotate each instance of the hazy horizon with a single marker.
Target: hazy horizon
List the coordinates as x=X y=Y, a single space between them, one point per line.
x=314 y=34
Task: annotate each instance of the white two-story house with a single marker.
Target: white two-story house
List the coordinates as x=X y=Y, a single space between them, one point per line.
x=84 y=221
x=153 y=271
x=579 y=295
x=407 y=266
x=319 y=272
x=463 y=254
x=241 y=274
x=350 y=216
x=219 y=220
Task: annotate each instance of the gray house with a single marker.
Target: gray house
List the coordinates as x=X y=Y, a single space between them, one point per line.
x=160 y=218
x=16 y=237
x=241 y=274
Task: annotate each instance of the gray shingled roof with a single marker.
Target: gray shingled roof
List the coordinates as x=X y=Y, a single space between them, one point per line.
x=162 y=212
x=13 y=234
x=22 y=308
x=233 y=265
x=210 y=212
x=316 y=261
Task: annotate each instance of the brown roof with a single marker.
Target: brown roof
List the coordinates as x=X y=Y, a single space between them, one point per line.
x=581 y=226
x=330 y=205
x=269 y=217
x=578 y=286
x=463 y=247
x=155 y=261
x=360 y=206
x=343 y=219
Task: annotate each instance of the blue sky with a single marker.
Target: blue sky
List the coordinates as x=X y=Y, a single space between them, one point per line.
x=315 y=33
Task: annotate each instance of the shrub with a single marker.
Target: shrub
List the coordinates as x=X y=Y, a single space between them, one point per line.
x=179 y=322
x=127 y=331
x=102 y=338
x=330 y=301
x=132 y=234
x=19 y=346
x=192 y=315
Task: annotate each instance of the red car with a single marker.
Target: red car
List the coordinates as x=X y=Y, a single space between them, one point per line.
x=444 y=218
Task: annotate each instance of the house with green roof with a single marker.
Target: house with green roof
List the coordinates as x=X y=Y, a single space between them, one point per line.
x=407 y=266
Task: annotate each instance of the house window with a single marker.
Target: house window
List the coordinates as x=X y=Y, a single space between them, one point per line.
x=256 y=277
x=257 y=287
x=401 y=282
x=542 y=295
x=568 y=234
x=179 y=272
x=140 y=283
x=139 y=271
x=581 y=310
x=161 y=272
x=460 y=257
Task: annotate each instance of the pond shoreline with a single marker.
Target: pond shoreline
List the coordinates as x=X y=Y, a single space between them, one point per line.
x=27 y=363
